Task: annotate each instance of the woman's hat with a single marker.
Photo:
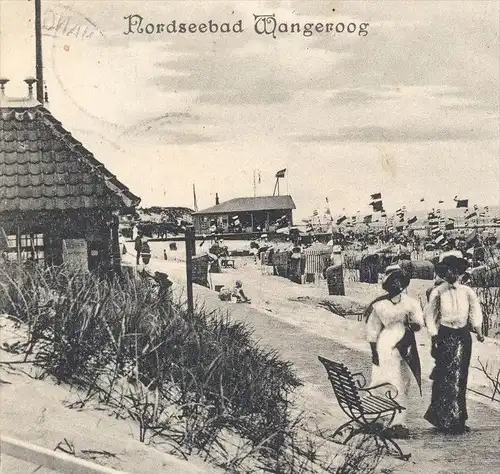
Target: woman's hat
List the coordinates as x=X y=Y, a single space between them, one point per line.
x=395 y=282
x=451 y=263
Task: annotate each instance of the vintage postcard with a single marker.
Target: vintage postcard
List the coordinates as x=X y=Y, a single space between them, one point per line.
x=249 y=236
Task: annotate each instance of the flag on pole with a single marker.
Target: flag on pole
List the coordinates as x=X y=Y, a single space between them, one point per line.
x=462 y=202
x=375 y=196
x=412 y=220
x=340 y=220
x=449 y=226
x=281 y=173
x=368 y=219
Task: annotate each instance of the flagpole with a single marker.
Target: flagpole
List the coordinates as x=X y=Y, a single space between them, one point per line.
x=38 y=51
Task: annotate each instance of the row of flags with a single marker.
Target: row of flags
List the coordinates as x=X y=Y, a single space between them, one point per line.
x=401 y=220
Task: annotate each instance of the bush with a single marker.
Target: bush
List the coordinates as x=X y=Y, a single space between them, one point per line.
x=198 y=382
x=189 y=378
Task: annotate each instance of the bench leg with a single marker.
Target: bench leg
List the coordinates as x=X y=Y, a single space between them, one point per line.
x=368 y=430
x=400 y=455
x=342 y=428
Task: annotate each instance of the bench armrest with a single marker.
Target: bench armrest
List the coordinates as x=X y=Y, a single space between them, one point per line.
x=391 y=394
x=360 y=379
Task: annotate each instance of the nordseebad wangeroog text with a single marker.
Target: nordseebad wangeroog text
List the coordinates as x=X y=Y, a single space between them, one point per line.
x=267 y=25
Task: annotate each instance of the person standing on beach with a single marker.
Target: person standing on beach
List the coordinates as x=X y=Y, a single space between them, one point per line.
x=451 y=309
x=391 y=320
x=138 y=248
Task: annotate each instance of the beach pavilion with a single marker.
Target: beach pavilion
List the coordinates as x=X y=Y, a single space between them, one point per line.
x=58 y=203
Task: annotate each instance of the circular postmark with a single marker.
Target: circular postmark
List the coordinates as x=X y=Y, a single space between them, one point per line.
x=70 y=43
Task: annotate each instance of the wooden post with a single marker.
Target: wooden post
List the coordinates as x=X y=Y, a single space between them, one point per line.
x=18 y=245
x=190 y=250
x=53 y=460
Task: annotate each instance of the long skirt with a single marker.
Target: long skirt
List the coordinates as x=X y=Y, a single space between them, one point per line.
x=335 y=280
x=448 y=408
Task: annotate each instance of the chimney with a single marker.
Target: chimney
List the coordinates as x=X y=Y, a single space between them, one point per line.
x=30 y=81
x=216 y=199
x=3 y=82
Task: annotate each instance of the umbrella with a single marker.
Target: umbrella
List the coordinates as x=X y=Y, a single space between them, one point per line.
x=407 y=347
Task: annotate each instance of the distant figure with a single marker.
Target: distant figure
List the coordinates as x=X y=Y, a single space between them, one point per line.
x=335 y=273
x=138 y=248
x=239 y=294
x=165 y=257
x=164 y=285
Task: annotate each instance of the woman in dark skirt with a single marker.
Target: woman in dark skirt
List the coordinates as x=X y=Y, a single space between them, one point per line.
x=451 y=309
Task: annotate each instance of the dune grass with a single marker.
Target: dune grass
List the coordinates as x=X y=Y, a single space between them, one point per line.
x=199 y=383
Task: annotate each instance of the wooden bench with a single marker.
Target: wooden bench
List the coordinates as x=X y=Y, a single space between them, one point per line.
x=369 y=414
x=227 y=262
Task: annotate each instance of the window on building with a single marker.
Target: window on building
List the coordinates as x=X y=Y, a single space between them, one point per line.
x=31 y=248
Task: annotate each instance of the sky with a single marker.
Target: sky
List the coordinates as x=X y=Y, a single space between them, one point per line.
x=411 y=109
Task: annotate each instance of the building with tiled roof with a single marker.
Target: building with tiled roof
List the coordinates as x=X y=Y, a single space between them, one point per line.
x=57 y=201
x=246 y=214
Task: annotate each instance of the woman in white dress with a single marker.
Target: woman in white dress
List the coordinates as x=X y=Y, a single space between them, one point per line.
x=390 y=322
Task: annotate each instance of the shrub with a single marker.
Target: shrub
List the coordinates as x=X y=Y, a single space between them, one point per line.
x=187 y=377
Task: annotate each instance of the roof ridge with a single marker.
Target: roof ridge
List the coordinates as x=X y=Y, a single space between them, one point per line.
x=87 y=156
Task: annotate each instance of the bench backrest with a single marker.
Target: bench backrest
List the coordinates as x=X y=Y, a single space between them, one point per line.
x=344 y=386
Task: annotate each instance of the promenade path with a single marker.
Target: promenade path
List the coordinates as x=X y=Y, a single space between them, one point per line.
x=301 y=332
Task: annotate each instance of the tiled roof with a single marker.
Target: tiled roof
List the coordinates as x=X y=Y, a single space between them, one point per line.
x=43 y=167
x=245 y=204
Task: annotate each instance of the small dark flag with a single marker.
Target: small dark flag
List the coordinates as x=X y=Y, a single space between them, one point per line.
x=441 y=202
x=449 y=226
x=280 y=173
x=462 y=202
x=341 y=219
x=377 y=206
x=422 y=199
x=471 y=215
x=367 y=219
x=376 y=196
x=412 y=220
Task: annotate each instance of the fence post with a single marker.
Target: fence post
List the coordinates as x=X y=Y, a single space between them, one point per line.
x=190 y=251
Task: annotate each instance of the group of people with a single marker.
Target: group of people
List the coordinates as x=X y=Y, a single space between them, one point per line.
x=451 y=312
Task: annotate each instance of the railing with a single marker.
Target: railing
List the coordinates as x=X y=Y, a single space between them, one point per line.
x=55 y=460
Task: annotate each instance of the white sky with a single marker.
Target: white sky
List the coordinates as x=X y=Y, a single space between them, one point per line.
x=411 y=110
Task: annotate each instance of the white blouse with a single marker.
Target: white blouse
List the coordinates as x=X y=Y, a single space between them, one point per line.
x=453 y=306
x=392 y=317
